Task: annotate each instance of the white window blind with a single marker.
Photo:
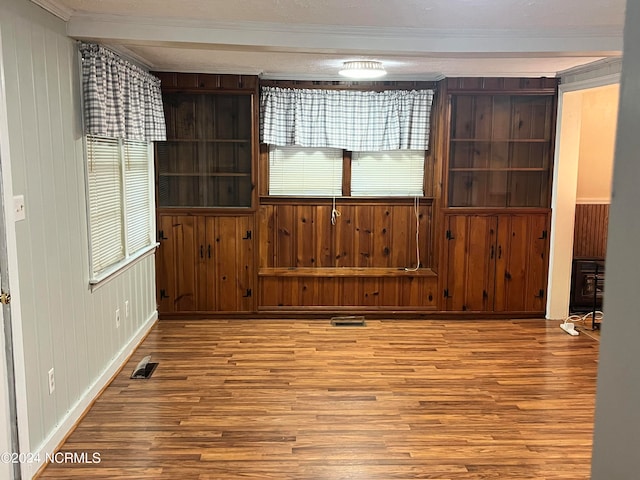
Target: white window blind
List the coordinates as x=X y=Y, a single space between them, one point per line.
x=105 y=202
x=120 y=202
x=388 y=173
x=138 y=201
x=303 y=171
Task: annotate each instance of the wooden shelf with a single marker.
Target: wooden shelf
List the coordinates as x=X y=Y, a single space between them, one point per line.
x=343 y=272
x=502 y=169
x=208 y=140
x=219 y=174
x=502 y=140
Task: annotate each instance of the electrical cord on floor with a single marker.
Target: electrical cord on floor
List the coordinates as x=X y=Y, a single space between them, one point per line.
x=583 y=318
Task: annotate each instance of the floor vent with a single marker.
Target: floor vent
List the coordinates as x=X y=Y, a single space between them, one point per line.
x=351 y=321
x=144 y=369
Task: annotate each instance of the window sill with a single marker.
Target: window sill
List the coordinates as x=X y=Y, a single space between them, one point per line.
x=115 y=270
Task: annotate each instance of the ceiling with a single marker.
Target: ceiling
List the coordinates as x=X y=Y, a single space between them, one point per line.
x=309 y=39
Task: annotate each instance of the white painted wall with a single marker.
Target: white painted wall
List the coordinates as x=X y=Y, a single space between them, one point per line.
x=597 y=142
x=617 y=421
x=64 y=325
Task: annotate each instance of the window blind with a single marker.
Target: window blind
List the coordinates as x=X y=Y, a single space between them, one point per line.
x=105 y=202
x=120 y=201
x=305 y=171
x=388 y=173
x=137 y=195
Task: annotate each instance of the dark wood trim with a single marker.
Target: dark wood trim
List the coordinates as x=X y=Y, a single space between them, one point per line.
x=198 y=211
x=493 y=210
x=272 y=200
x=207 y=82
x=502 y=85
x=346 y=85
x=343 y=272
x=347 y=158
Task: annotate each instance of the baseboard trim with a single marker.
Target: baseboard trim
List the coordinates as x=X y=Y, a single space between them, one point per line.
x=66 y=426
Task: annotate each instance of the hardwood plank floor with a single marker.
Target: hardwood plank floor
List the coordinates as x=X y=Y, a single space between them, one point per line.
x=262 y=399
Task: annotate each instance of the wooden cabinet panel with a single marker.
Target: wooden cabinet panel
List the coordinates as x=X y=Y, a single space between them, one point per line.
x=402 y=292
x=177 y=264
x=470 y=262
x=496 y=263
x=205 y=264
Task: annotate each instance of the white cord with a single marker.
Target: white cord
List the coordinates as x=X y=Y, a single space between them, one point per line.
x=334 y=213
x=577 y=318
x=416 y=205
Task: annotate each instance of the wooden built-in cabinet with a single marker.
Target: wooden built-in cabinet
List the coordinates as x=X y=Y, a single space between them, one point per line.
x=205 y=193
x=477 y=242
x=496 y=262
x=495 y=228
x=205 y=264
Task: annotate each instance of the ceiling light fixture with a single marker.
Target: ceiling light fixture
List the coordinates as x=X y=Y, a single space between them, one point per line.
x=362 y=69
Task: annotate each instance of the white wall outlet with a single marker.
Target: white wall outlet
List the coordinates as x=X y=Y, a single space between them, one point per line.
x=117 y=318
x=52 y=382
x=19 y=210
x=126 y=309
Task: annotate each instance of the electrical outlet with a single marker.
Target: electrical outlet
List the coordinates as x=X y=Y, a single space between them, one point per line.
x=117 y=318
x=126 y=309
x=52 y=382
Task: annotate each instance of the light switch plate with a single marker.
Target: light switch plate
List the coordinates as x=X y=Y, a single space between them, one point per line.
x=19 y=209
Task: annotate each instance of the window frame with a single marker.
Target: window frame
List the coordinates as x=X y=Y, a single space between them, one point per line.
x=97 y=277
x=347 y=156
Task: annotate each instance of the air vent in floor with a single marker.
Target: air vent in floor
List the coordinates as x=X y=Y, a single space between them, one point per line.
x=349 y=321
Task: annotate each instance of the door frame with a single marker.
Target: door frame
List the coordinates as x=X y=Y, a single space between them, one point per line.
x=14 y=388
x=564 y=191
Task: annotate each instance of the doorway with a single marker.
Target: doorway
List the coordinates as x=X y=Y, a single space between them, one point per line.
x=587 y=113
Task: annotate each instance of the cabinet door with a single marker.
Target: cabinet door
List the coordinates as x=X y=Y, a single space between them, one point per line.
x=470 y=246
x=233 y=262
x=176 y=264
x=521 y=263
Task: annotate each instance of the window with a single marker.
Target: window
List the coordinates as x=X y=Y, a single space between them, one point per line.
x=389 y=173
x=120 y=202
x=305 y=171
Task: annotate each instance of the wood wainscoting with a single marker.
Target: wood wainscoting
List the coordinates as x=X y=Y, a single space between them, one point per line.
x=365 y=259
x=591 y=230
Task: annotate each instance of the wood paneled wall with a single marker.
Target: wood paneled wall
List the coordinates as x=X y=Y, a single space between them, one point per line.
x=382 y=291
x=364 y=235
x=364 y=261
x=590 y=231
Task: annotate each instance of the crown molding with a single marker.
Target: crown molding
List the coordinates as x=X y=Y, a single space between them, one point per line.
x=56 y=8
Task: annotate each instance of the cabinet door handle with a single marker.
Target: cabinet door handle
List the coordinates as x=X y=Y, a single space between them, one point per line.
x=492 y=252
x=499 y=252
x=209 y=250
x=201 y=251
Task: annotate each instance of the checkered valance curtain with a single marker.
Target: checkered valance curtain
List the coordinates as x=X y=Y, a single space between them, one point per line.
x=351 y=120
x=120 y=99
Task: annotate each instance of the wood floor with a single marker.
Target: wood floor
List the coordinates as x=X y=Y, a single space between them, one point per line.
x=304 y=400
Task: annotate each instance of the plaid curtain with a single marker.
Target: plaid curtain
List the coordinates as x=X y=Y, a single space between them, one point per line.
x=120 y=99
x=351 y=120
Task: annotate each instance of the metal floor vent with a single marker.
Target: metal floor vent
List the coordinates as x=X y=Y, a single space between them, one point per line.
x=144 y=369
x=350 y=321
